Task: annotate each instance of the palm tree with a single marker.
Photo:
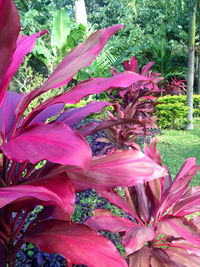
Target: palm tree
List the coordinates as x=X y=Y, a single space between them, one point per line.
x=80 y=12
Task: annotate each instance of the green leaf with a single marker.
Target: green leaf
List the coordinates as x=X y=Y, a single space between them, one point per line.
x=61 y=28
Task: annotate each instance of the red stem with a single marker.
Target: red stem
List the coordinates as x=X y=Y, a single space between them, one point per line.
x=4 y=236
x=16 y=221
x=6 y=226
x=15 y=180
x=163 y=238
x=28 y=173
x=2 y=182
x=20 y=225
x=11 y=172
x=160 y=245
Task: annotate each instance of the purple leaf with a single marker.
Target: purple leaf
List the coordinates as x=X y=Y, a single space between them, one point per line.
x=7 y=113
x=47 y=113
x=77 y=243
x=179 y=227
x=75 y=115
x=146 y=69
x=109 y=171
x=86 y=88
x=136 y=237
x=79 y=57
x=9 y=30
x=54 y=142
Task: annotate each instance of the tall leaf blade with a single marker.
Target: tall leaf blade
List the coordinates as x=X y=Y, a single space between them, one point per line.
x=61 y=28
x=9 y=30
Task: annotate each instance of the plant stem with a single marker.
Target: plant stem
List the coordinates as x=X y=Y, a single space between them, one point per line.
x=15 y=180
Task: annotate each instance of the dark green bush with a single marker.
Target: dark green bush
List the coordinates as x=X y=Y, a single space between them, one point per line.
x=172 y=113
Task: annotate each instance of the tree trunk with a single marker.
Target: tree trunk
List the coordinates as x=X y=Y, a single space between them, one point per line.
x=190 y=80
x=80 y=12
x=198 y=86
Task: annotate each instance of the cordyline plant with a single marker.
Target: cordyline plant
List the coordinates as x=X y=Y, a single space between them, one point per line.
x=135 y=104
x=161 y=234
x=25 y=141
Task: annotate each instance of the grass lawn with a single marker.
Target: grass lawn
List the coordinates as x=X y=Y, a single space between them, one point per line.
x=176 y=146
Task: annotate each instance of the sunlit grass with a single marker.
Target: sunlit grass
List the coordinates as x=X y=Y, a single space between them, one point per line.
x=176 y=146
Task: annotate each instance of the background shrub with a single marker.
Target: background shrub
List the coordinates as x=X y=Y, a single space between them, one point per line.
x=172 y=113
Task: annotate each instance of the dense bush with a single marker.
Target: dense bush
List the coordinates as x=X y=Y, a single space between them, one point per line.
x=172 y=112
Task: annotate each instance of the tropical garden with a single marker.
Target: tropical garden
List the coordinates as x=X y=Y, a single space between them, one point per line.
x=100 y=133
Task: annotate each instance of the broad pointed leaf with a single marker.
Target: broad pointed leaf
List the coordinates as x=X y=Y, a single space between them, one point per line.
x=188 y=203
x=77 y=243
x=54 y=142
x=179 y=186
x=181 y=256
x=109 y=171
x=140 y=258
x=57 y=192
x=159 y=258
x=109 y=222
x=9 y=30
x=180 y=227
x=136 y=237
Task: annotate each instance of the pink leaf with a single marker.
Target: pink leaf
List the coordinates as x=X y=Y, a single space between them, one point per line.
x=88 y=87
x=146 y=69
x=109 y=171
x=188 y=203
x=77 y=243
x=9 y=30
x=25 y=45
x=136 y=237
x=56 y=192
x=182 y=256
x=79 y=57
x=159 y=258
x=109 y=222
x=180 y=227
x=140 y=258
x=179 y=186
x=54 y=142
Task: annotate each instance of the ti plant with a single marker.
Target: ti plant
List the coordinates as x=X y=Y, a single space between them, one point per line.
x=135 y=104
x=162 y=231
x=28 y=140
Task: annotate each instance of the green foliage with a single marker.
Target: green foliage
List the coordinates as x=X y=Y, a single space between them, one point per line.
x=172 y=113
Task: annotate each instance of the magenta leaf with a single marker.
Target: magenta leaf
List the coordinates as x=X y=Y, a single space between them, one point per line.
x=7 y=113
x=55 y=142
x=104 y=220
x=146 y=69
x=179 y=186
x=58 y=192
x=136 y=237
x=75 y=115
x=79 y=57
x=188 y=203
x=9 y=30
x=109 y=171
x=86 y=88
x=140 y=258
x=182 y=256
x=25 y=45
x=179 y=227
x=77 y=243
x=114 y=198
